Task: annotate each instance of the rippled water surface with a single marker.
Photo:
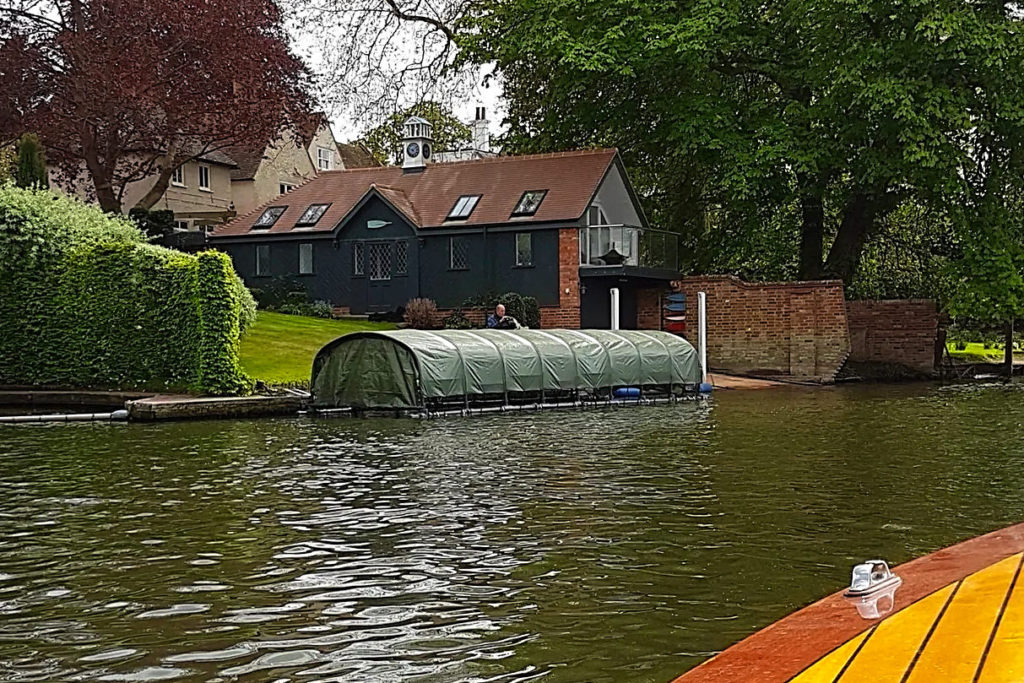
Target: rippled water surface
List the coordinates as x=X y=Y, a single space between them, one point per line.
x=603 y=546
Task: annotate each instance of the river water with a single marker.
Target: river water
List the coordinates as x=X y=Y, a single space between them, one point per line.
x=623 y=545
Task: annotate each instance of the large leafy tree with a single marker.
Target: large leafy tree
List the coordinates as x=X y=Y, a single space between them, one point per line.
x=384 y=140
x=741 y=118
x=129 y=90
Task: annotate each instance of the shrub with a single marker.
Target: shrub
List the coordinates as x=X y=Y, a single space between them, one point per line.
x=457 y=320
x=90 y=304
x=960 y=345
x=521 y=307
x=278 y=291
x=420 y=313
x=322 y=309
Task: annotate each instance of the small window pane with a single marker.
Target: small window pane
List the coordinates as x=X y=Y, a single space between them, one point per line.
x=380 y=260
x=305 y=258
x=178 y=176
x=268 y=217
x=324 y=158
x=204 y=177
x=285 y=188
x=401 y=258
x=357 y=258
x=464 y=206
x=595 y=216
x=524 y=249
x=312 y=214
x=263 y=259
x=458 y=253
x=529 y=202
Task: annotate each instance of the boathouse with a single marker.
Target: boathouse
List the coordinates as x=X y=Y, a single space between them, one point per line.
x=564 y=228
x=438 y=371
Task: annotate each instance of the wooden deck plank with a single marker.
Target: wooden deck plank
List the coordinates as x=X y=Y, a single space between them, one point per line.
x=960 y=638
x=826 y=669
x=1004 y=662
x=887 y=656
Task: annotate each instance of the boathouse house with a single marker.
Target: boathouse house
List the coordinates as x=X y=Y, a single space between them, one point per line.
x=564 y=228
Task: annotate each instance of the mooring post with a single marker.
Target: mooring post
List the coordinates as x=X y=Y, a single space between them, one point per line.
x=702 y=333
x=614 y=293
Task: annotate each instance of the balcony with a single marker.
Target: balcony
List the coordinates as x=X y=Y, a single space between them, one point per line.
x=627 y=249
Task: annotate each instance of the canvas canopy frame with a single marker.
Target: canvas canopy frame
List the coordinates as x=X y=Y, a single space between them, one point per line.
x=436 y=371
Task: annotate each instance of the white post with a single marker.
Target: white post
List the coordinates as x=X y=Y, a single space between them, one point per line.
x=702 y=333
x=615 y=307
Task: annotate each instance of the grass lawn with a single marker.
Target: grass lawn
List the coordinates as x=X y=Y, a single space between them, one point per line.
x=279 y=348
x=977 y=353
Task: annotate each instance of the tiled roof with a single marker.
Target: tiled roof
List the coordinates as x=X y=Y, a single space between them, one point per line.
x=248 y=159
x=426 y=197
x=355 y=155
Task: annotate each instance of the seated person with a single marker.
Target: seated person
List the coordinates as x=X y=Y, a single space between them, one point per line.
x=498 y=319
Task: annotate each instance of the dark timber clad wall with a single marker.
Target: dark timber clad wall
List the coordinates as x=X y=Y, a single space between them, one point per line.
x=491 y=260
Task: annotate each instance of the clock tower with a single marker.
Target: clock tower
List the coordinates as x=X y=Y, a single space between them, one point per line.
x=417 y=144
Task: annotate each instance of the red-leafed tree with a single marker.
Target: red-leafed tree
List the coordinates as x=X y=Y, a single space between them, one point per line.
x=129 y=90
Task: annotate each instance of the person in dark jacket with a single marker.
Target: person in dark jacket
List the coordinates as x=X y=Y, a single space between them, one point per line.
x=494 y=319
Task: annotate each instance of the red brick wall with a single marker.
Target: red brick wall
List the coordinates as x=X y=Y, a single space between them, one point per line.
x=796 y=329
x=567 y=313
x=894 y=331
x=648 y=308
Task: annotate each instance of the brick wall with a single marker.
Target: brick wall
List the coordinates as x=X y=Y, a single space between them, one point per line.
x=899 y=331
x=795 y=329
x=648 y=308
x=567 y=313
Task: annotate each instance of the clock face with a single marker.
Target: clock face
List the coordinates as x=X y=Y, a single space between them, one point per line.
x=413 y=149
x=426 y=151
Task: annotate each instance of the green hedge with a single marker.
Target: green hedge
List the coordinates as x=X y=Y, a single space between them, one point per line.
x=88 y=303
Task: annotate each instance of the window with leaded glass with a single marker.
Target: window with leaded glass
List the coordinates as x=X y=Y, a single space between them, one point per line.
x=458 y=253
x=268 y=217
x=357 y=258
x=529 y=203
x=524 y=249
x=379 y=254
x=401 y=257
x=263 y=259
x=312 y=214
x=306 y=258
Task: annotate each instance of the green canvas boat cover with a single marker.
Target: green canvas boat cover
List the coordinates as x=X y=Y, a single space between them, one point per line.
x=405 y=368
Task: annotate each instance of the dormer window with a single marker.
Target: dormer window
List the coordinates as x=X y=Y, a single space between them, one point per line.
x=464 y=206
x=268 y=217
x=529 y=202
x=312 y=214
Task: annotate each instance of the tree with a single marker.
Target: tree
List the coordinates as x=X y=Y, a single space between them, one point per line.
x=31 y=170
x=835 y=112
x=8 y=157
x=384 y=141
x=129 y=90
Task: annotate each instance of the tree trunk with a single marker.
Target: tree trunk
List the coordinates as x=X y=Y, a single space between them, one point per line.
x=163 y=180
x=812 y=229
x=844 y=256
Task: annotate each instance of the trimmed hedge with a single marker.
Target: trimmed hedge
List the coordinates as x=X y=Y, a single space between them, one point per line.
x=88 y=303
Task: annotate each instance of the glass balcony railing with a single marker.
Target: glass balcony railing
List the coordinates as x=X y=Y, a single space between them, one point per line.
x=627 y=245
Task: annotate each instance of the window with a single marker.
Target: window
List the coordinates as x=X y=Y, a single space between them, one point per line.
x=263 y=259
x=524 y=249
x=458 y=253
x=312 y=214
x=529 y=202
x=204 y=178
x=181 y=226
x=401 y=257
x=324 y=159
x=464 y=206
x=380 y=260
x=268 y=217
x=178 y=177
x=357 y=258
x=595 y=216
x=306 y=258
x=284 y=188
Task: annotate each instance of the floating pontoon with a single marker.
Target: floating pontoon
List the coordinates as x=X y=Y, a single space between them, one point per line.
x=445 y=371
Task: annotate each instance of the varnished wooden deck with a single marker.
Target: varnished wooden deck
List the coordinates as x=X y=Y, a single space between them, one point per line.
x=959 y=617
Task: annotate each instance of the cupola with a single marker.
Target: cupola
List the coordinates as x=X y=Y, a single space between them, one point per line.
x=417 y=144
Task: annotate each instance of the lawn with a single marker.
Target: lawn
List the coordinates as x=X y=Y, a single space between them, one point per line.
x=279 y=348
x=977 y=353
